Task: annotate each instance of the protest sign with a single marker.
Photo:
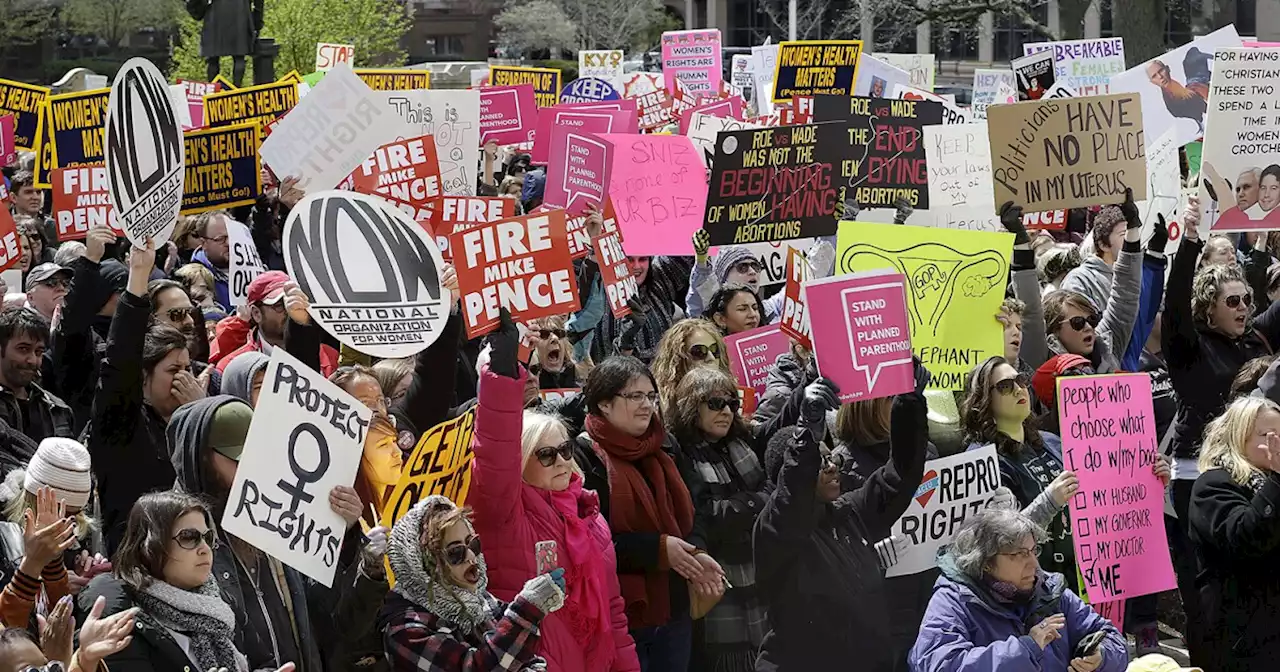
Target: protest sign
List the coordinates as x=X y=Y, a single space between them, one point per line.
x=44 y=149
x=81 y=202
x=439 y=465
x=816 y=67
x=223 y=169
x=373 y=275
x=328 y=56
x=861 y=334
x=1164 y=188
x=615 y=276
x=1240 y=142
x=986 y=82
x=578 y=173
x=876 y=78
x=520 y=264
x=259 y=104
x=1049 y=220
x=245 y=262
x=331 y=131
x=405 y=172
x=764 y=61
x=144 y=153
x=1175 y=87
x=654 y=109
x=775 y=183
x=559 y=394
x=742 y=73
x=730 y=107
x=77 y=127
x=1117 y=516
x=920 y=67
x=393 y=79
x=658 y=186
x=1034 y=75
x=8 y=146
x=953 y=488
x=885 y=137
x=959 y=161
x=10 y=247
x=703 y=129
x=603 y=117
x=306 y=438
x=508 y=114
x=951 y=113
x=24 y=102
x=452 y=118
x=1084 y=65
x=693 y=57
x=588 y=90
x=604 y=64
x=636 y=84
x=795 y=316
x=193 y=94
x=1059 y=90
x=1067 y=153
x=752 y=354
x=455 y=213
x=957 y=281
x=545 y=81
x=292 y=77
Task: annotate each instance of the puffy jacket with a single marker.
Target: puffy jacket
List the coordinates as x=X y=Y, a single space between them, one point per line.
x=1118 y=317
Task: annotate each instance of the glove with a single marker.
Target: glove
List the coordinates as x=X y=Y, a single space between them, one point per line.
x=922 y=375
x=1011 y=220
x=503 y=345
x=820 y=396
x=1159 y=235
x=545 y=591
x=1129 y=209
x=635 y=321
x=701 y=243
x=904 y=211
x=377 y=546
x=848 y=209
x=1002 y=498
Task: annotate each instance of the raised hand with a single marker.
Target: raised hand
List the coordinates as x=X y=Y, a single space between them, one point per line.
x=820 y=396
x=101 y=637
x=1011 y=220
x=56 y=631
x=701 y=244
x=504 y=345
x=1130 y=210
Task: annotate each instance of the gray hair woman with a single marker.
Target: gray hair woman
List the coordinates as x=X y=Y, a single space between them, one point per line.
x=994 y=609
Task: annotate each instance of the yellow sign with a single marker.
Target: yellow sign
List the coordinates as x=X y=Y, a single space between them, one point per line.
x=78 y=128
x=292 y=77
x=955 y=285
x=44 y=150
x=226 y=84
x=395 y=80
x=814 y=67
x=259 y=104
x=24 y=102
x=545 y=81
x=440 y=465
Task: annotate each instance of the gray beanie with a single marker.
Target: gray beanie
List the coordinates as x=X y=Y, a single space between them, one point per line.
x=727 y=258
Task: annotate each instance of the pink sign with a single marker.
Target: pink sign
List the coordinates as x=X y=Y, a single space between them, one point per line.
x=861 y=334
x=585 y=117
x=753 y=353
x=693 y=57
x=196 y=91
x=578 y=173
x=1117 y=517
x=658 y=184
x=8 y=152
x=508 y=114
x=729 y=108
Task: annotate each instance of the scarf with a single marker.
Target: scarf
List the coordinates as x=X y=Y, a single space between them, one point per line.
x=587 y=599
x=646 y=494
x=199 y=614
x=1256 y=478
x=1005 y=592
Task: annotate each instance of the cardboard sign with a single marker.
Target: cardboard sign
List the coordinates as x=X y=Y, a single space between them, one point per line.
x=329 y=56
x=884 y=140
x=508 y=114
x=306 y=437
x=775 y=184
x=753 y=353
x=694 y=58
x=223 y=169
x=1034 y=75
x=372 y=273
x=1180 y=99
x=795 y=315
x=245 y=262
x=405 y=172
x=145 y=153
x=394 y=79
x=619 y=285
x=1117 y=517
x=986 y=83
x=78 y=124
x=861 y=334
x=545 y=81
x=953 y=488
x=1086 y=66
x=957 y=281
x=588 y=90
x=439 y=465
x=877 y=78
x=816 y=67
x=521 y=264
x=920 y=68
x=578 y=174
x=453 y=119
x=1239 y=142
x=659 y=190
x=24 y=102
x=258 y=104
x=730 y=107
x=1068 y=153
x=455 y=213
x=602 y=64
x=81 y=202
x=605 y=117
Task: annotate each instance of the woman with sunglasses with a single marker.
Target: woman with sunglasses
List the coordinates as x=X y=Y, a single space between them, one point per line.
x=1074 y=327
x=735 y=309
x=441 y=617
x=733 y=265
x=551 y=343
x=532 y=509
x=687 y=345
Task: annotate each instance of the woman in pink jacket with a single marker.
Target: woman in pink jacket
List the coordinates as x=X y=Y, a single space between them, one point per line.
x=532 y=512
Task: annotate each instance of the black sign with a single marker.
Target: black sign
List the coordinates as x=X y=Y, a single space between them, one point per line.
x=222 y=169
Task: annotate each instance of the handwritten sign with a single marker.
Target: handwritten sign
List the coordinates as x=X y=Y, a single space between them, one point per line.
x=959 y=161
x=615 y=276
x=659 y=191
x=223 y=169
x=920 y=67
x=81 y=202
x=452 y=118
x=604 y=64
x=816 y=67
x=545 y=81
x=986 y=83
x=753 y=353
x=1117 y=517
x=578 y=173
x=861 y=334
x=330 y=55
x=508 y=114
x=439 y=465
x=694 y=58
x=884 y=140
x=246 y=264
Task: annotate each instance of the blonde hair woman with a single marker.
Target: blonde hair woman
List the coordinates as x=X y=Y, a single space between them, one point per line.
x=687 y=345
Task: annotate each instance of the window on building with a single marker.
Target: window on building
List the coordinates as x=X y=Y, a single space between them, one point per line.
x=954 y=44
x=1009 y=34
x=444 y=45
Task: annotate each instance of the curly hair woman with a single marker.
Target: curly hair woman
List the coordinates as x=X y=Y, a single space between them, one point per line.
x=735 y=309
x=687 y=345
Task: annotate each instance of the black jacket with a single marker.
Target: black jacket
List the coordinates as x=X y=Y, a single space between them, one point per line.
x=815 y=564
x=78 y=344
x=1237 y=538
x=54 y=419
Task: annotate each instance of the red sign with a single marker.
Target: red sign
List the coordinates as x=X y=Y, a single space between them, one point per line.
x=795 y=319
x=654 y=109
x=405 y=172
x=619 y=285
x=81 y=201
x=521 y=264
x=455 y=213
x=10 y=248
x=579 y=239
x=1049 y=220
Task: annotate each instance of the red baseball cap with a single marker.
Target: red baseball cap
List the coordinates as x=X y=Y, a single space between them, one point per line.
x=268 y=287
x=1045 y=380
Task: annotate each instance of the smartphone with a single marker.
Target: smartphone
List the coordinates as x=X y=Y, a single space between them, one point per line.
x=1090 y=644
x=546 y=556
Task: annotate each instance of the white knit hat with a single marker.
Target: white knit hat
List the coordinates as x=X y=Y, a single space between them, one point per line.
x=61 y=464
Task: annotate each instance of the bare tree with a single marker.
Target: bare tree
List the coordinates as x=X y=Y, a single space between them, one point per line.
x=535 y=25
x=589 y=24
x=115 y=20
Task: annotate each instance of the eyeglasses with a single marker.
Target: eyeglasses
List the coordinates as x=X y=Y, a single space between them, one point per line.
x=1024 y=553
x=1235 y=300
x=190 y=539
x=180 y=314
x=57 y=283
x=748 y=266
x=1006 y=386
x=456 y=553
x=544 y=334
x=700 y=352
x=1078 y=322
x=219 y=240
x=547 y=455
x=637 y=397
x=718 y=404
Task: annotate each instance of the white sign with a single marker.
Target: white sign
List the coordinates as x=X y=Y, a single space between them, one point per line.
x=1086 y=66
x=704 y=127
x=245 y=262
x=453 y=119
x=329 y=56
x=742 y=72
x=986 y=83
x=1164 y=188
x=773 y=259
x=921 y=67
x=145 y=153
x=373 y=274
x=601 y=64
x=878 y=79
x=953 y=488
x=951 y=113
x=1240 y=146
x=306 y=438
x=764 y=58
x=958 y=158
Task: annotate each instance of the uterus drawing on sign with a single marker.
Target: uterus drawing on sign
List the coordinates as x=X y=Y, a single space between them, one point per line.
x=934 y=272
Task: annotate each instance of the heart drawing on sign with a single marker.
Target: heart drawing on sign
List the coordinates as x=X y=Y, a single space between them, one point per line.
x=928 y=486
x=911 y=95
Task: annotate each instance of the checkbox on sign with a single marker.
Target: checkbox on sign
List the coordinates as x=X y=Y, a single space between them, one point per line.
x=1086 y=554
x=1081 y=500
x=1082 y=529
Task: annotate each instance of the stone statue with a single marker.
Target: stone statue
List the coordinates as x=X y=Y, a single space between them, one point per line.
x=230 y=29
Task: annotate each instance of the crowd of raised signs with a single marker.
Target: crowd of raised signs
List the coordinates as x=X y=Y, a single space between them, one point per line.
x=395 y=411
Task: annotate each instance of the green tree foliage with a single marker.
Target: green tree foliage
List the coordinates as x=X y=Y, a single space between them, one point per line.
x=536 y=25
x=116 y=20
x=22 y=24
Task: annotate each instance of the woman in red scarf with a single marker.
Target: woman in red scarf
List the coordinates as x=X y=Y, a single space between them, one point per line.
x=534 y=515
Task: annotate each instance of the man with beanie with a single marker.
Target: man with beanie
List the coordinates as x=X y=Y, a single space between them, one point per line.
x=25 y=407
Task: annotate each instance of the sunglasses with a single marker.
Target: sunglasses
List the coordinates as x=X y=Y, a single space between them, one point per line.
x=718 y=404
x=1235 y=300
x=190 y=539
x=180 y=314
x=748 y=266
x=544 y=334
x=701 y=352
x=1006 y=386
x=57 y=283
x=456 y=553
x=547 y=456
x=1078 y=322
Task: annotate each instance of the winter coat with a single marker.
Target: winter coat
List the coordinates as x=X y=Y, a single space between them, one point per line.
x=1092 y=278
x=1153 y=273
x=54 y=416
x=965 y=630
x=1111 y=338
x=78 y=343
x=786 y=374
x=230 y=28
x=512 y=517
x=417 y=640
